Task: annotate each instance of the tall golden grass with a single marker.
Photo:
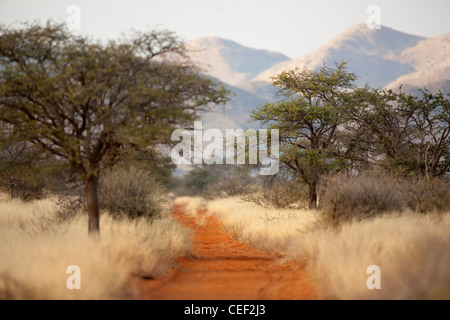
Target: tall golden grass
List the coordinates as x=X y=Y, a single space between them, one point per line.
x=411 y=249
x=36 y=249
x=266 y=228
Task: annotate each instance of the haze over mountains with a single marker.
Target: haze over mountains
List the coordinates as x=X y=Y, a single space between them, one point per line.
x=383 y=58
x=231 y=62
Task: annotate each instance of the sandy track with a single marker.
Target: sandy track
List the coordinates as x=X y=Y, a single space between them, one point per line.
x=223 y=268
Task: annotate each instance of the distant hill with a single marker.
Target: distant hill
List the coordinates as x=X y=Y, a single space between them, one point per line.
x=383 y=58
x=431 y=61
x=229 y=61
x=373 y=55
x=236 y=113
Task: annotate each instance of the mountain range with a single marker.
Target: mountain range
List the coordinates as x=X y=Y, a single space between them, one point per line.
x=382 y=58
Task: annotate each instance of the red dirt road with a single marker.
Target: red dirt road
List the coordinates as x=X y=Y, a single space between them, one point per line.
x=223 y=268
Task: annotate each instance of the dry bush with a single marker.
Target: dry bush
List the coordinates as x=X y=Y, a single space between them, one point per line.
x=70 y=205
x=36 y=249
x=355 y=198
x=230 y=185
x=286 y=195
x=428 y=196
x=25 y=190
x=123 y=192
x=132 y=192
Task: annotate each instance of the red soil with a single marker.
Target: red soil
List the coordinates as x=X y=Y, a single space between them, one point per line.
x=223 y=268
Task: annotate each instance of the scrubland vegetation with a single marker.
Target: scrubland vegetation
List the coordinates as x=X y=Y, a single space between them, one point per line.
x=41 y=238
x=363 y=180
x=396 y=224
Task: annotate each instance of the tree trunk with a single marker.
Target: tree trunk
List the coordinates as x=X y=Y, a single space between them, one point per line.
x=312 y=195
x=91 y=185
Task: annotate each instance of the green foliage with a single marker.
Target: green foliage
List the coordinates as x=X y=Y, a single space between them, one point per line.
x=78 y=99
x=27 y=173
x=82 y=100
x=327 y=125
x=404 y=134
x=309 y=117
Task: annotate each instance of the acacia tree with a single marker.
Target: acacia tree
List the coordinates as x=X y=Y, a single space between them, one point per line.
x=403 y=132
x=82 y=101
x=429 y=120
x=376 y=132
x=309 y=118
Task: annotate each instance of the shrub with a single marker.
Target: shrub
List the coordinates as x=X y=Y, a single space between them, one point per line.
x=231 y=185
x=196 y=181
x=123 y=192
x=348 y=198
x=357 y=198
x=425 y=196
x=23 y=189
x=286 y=195
x=131 y=192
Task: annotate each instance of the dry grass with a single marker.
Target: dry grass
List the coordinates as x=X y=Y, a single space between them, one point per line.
x=265 y=228
x=357 y=198
x=411 y=250
x=191 y=205
x=36 y=250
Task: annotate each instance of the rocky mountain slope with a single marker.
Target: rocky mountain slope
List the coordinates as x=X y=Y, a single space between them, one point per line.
x=383 y=58
x=229 y=61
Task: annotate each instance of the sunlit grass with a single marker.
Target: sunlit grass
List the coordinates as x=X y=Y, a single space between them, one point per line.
x=36 y=250
x=411 y=249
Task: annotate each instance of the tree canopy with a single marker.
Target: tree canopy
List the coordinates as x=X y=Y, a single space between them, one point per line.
x=308 y=118
x=327 y=124
x=86 y=102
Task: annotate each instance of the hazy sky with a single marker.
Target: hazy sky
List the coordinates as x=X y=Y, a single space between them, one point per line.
x=293 y=27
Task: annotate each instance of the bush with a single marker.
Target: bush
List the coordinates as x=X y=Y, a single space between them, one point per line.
x=123 y=192
x=357 y=198
x=23 y=189
x=231 y=185
x=131 y=192
x=427 y=196
x=70 y=204
x=282 y=195
x=349 y=198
